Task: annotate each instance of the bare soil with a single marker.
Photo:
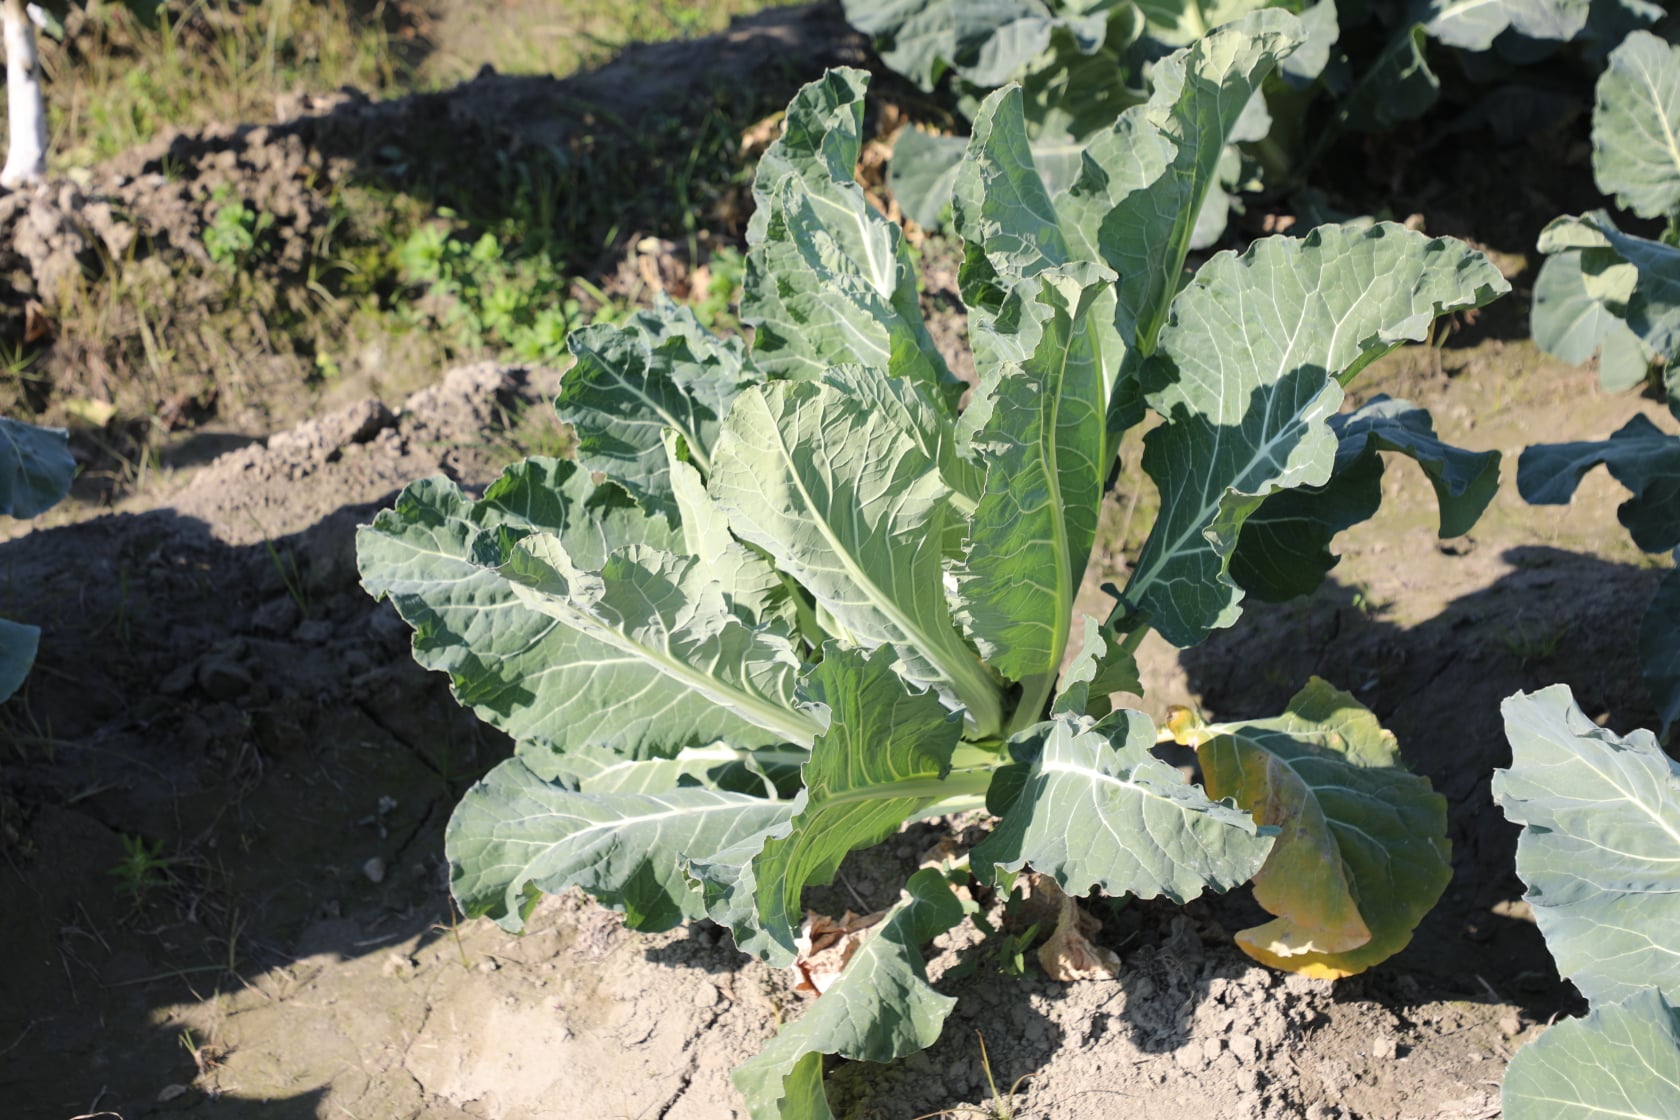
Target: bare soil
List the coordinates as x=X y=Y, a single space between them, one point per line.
x=223 y=792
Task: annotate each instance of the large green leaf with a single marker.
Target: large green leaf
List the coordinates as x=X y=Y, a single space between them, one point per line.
x=514 y=834
x=1600 y=847
x=829 y=279
x=1659 y=649
x=984 y=43
x=1653 y=311
x=1398 y=86
x=665 y=611
x=851 y=505
x=1247 y=375
x=659 y=371
x=1639 y=455
x=923 y=170
x=1097 y=809
x=1047 y=461
x=879 y=761
x=1581 y=301
x=436 y=556
x=1473 y=25
x=18 y=644
x=1362 y=854
x=1636 y=127
x=1284 y=547
x=882 y=1007
x=1622 y=1060
x=35 y=468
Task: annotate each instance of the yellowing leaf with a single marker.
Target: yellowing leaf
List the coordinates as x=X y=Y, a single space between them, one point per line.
x=1361 y=853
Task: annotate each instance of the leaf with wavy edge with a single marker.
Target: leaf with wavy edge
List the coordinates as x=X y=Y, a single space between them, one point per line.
x=1636 y=126
x=1600 y=847
x=1639 y=455
x=1473 y=25
x=436 y=554
x=1248 y=373
x=1284 y=547
x=1046 y=453
x=849 y=504
x=881 y=1008
x=829 y=279
x=514 y=834
x=1362 y=854
x=667 y=612
x=35 y=468
x=630 y=383
x=1622 y=1060
x=1096 y=809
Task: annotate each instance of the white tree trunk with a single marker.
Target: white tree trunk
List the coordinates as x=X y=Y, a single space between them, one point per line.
x=26 y=111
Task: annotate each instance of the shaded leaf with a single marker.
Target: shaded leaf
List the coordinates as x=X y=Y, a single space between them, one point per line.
x=1639 y=455
x=18 y=645
x=35 y=468
x=1659 y=650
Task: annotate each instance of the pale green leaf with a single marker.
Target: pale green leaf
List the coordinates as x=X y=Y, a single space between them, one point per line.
x=763 y=772
x=849 y=504
x=829 y=279
x=1096 y=671
x=1284 y=548
x=1362 y=854
x=1600 y=847
x=436 y=556
x=1047 y=461
x=664 y=611
x=1473 y=25
x=1638 y=455
x=923 y=169
x=1097 y=809
x=630 y=383
x=514 y=833
x=1248 y=374
x=1622 y=1060
x=35 y=468
x=878 y=762
x=882 y=1007
x=1636 y=127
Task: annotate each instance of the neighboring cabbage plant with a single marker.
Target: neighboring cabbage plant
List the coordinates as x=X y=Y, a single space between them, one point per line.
x=1618 y=295
x=788 y=599
x=1600 y=852
x=35 y=473
x=1079 y=63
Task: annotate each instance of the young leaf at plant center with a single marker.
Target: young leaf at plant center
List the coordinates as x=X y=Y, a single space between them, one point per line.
x=1622 y=1060
x=1639 y=455
x=1659 y=649
x=629 y=384
x=1600 y=847
x=1098 y=670
x=1047 y=459
x=436 y=555
x=35 y=468
x=514 y=834
x=879 y=760
x=1097 y=809
x=1284 y=548
x=829 y=279
x=1362 y=854
x=881 y=1008
x=1248 y=373
x=849 y=503
x=1636 y=119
